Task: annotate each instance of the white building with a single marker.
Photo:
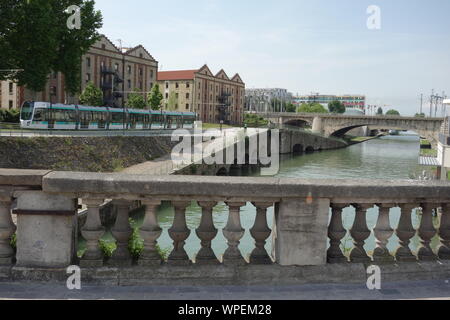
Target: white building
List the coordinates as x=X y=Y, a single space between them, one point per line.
x=262 y=100
x=8 y=95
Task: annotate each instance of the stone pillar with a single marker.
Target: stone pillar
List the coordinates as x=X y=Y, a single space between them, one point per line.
x=46 y=230
x=360 y=234
x=405 y=232
x=7 y=229
x=301 y=232
x=317 y=126
x=444 y=233
x=383 y=232
x=150 y=232
x=234 y=232
x=179 y=233
x=260 y=232
x=206 y=232
x=122 y=233
x=336 y=233
x=92 y=231
x=426 y=233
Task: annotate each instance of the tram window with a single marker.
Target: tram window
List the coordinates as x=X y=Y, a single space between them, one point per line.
x=117 y=117
x=39 y=115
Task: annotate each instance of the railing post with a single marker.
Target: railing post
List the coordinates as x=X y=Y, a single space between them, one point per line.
x=179 y=234
x=206 y=232
x=444 y=233
x=92 y=231
x=360 y=233
x=405 y=232
x=234 y=232
x=426 y=233
x=301 y=232
x=383 y=232
x=7 y=229
x=150 y=232
x=260 y=232
x=336 y=232
x=122 y=233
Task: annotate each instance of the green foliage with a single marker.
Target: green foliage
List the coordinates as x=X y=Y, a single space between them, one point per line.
x=13 y=241
x=290 y=107
x=173 y=101
x=312 y=108
x=392 y=113
x=91 y=95
x=380 y=111
x=155 y=97
x=253 y=120
x=336 y=107
x=419 y=115
x=12 y=116
x=34 y=37
x=136 y=100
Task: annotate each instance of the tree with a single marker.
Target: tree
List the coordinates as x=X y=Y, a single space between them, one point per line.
x=136 y=100
x=336 y=107
x=312 y=108
x=420 y=115
x=392 y=113
x=173 y=101
x=380 y=111
x=35 y=39
x=155 y=97
x=92 y=95
x=291 y=107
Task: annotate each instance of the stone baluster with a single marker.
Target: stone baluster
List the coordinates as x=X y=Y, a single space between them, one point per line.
x=405 y=232
x=360 y=234
x=92 y=231
x=444 y=233
x=7 y=229
x=426 y=232
x=383 y=232
x=206 y=232
x=336 y=232
x=122 y=233
x=179 y=234
x=150 y=232
x=234 y=232
x=260 y=232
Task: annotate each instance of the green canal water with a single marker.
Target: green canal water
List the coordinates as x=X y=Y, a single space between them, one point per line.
x=393 y=157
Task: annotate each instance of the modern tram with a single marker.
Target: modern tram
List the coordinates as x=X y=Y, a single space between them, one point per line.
x=43 y=115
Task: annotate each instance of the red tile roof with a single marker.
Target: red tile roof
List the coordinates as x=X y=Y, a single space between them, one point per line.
x=176 y=75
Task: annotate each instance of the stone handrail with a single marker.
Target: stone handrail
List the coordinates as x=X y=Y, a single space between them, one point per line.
x=308 y=213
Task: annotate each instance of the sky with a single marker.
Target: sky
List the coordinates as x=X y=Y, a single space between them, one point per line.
x=304 y=46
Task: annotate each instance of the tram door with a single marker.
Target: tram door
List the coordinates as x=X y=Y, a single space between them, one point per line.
x=51 y=118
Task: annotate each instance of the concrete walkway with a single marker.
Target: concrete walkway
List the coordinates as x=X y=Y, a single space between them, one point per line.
x=435 y=289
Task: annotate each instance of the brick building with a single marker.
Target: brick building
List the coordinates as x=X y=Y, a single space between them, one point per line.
x=214 y=97
x=9 y=98
x=117 y=71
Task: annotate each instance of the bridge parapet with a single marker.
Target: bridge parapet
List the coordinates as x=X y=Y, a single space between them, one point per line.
x=308 y=213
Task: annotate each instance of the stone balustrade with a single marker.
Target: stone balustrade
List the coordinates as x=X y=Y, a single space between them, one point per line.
x=308 y=228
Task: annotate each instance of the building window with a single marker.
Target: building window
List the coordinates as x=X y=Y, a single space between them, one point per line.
x=88 y=77
x=187 y=106
x=140 y=71
x=141 y=55
x=140 y=85
x=129 y=69
x=116 y=66
x=151 y=85
x=11 y=88
x=129 y=84
x=11 y=104
x=151 y=74
x=167 y=96
x=176 y=106
x=187 y=95
x=176 y=95
x=103 y=46
x=167 y=85
x=187 y=85
x=88 y=62
x=177 y=85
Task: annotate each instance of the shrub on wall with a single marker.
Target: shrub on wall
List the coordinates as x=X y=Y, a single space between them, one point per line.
x=12 y=115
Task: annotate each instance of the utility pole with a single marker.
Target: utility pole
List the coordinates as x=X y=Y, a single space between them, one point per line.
x=431 y=103
x=421 y=103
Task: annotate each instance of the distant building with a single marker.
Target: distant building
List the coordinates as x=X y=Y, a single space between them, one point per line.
x=262 y=100
x=215 y=98
x=350 y=101
x=9 y=98
x=117 y=72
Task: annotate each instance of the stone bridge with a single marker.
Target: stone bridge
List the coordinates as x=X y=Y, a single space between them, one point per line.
x=308 y=215
x=338 y=125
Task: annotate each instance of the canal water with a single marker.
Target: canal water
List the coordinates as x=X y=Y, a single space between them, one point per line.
x=391 y=157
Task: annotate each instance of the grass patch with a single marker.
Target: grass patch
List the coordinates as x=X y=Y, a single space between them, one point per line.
x=207 y=126
x=428 y=152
